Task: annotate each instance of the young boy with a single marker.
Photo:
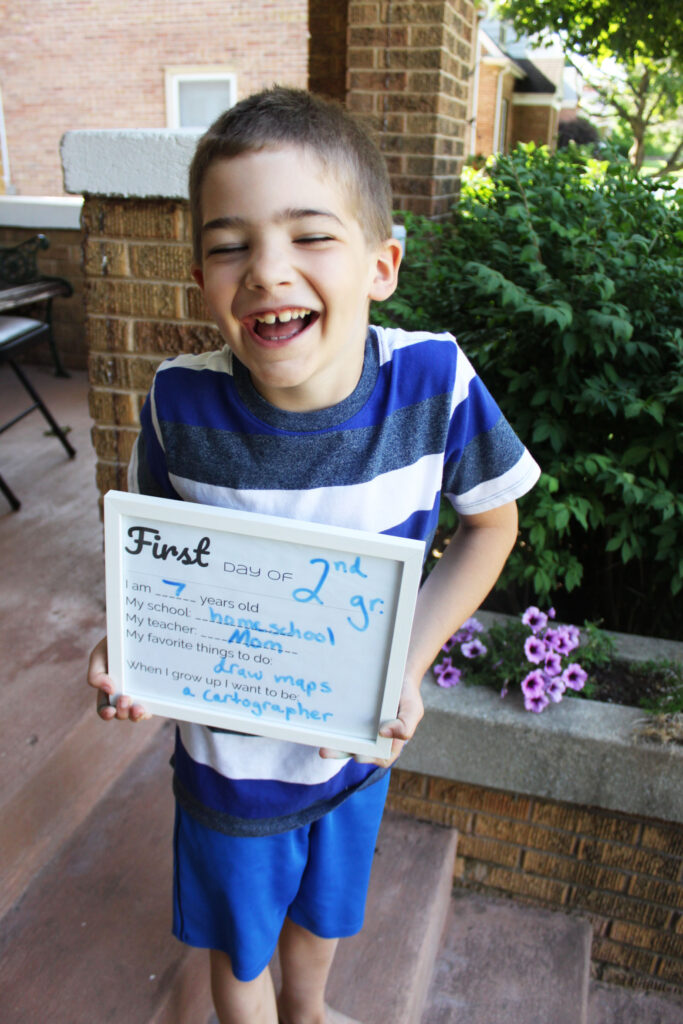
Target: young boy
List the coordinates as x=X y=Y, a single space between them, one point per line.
x=310 y=414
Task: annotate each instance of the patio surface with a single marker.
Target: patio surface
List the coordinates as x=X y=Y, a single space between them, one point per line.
x=52 y=598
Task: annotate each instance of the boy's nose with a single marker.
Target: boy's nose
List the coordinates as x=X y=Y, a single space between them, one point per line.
x=268 y=268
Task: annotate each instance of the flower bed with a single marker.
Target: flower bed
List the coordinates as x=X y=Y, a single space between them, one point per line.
x=548 y=661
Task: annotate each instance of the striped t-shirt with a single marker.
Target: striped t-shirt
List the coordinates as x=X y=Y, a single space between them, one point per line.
x=418 y=424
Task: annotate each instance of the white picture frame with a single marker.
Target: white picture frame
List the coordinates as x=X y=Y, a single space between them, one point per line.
x=258 y=624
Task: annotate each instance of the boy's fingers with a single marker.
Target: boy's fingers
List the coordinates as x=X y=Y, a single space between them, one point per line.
x=105 y=709
x=98 y=668
x=396 y=730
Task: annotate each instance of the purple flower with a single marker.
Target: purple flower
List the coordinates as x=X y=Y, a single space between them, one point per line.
x=535 y=649
x=467 y=631
x=553 y=664
x=473 y=649
x=535 y=619
x=565 y=641
x=551 y=613
x=536 y=704
x=448 y=646
x=574 y=634
x=448 y=676
x=555 y=689
x=574 y=676
x=550 y=637
x=533 y=685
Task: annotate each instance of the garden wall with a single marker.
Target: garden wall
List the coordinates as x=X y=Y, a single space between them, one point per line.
x=624 y=872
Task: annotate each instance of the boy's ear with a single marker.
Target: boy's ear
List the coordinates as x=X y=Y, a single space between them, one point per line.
x=198 y=275
x=388 y=260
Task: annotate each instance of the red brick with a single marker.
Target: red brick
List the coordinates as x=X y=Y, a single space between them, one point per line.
x=488 y=850
x=642 y=862
x=480 y=799
x=516 y=882
x=523 y=834
x=574 y=871
x=623 y=956
x=92 y=52
x=426 y=811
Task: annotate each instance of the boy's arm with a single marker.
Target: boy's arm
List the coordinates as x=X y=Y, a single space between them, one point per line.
x=459 y=582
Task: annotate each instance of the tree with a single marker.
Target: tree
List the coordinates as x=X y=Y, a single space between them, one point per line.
x=635 y=50
x=625 y=29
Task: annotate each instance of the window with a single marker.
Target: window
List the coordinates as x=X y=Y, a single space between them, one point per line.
x=194 y=99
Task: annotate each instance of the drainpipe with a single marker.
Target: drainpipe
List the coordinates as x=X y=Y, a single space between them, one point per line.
x=499 y=103
x=4 y=151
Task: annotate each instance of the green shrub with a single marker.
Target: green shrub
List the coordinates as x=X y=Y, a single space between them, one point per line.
x=562 y=278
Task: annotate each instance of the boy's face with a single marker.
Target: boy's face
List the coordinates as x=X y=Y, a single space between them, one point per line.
x=288 y=275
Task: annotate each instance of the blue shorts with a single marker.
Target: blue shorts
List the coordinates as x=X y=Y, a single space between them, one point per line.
x=233 y=893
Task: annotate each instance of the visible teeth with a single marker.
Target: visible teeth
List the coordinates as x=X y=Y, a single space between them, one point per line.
x=284 y=317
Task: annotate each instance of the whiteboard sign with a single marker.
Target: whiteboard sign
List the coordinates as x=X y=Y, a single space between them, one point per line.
x=258 y=624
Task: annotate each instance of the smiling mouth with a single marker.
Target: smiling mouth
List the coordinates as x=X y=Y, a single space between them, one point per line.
x=282 y=325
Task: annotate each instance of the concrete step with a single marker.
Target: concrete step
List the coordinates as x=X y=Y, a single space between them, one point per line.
x=502 y=963
x=383 y=974
x=610 y=1004
x=90 y=941
x=60 y=792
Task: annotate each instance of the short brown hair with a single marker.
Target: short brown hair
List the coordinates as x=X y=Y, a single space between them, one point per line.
x=282 y=116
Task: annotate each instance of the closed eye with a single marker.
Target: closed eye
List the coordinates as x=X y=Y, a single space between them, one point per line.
x=227 y=250
x=312 y=239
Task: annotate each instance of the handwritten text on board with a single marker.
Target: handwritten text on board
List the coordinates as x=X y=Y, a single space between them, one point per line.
x=293 y=632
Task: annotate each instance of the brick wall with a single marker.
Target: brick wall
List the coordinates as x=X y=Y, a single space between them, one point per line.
x=624 y=873
x=489 y=75
x=534 y=123
x=328 y=23
x=62 y=259
x=408 y=73
x=486 y=108
x=66 y=65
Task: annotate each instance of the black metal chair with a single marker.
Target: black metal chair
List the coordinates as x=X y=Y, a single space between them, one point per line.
x=22 y=284
x=17 y=335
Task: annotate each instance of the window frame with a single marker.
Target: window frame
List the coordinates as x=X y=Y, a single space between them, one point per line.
x=175 y=77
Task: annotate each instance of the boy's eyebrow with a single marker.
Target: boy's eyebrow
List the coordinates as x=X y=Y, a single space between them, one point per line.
x=280 y=218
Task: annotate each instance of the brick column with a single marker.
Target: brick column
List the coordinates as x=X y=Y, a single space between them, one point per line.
x=328 y=24
x=141 y=307
x=408 y=78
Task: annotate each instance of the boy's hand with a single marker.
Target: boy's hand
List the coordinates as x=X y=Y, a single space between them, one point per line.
x=104 y=684
x=401 y=729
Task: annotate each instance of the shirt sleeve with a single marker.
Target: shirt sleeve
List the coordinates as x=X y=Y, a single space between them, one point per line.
x=486 y=465
x=147 y=469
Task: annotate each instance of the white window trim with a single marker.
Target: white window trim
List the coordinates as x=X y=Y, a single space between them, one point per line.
x=175 y=75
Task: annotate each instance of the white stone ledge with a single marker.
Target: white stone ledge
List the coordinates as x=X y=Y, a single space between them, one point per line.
x=44 y=213
x=134 y=163
x=580 y=751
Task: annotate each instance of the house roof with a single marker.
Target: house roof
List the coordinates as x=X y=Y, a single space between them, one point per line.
x=534 y=80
